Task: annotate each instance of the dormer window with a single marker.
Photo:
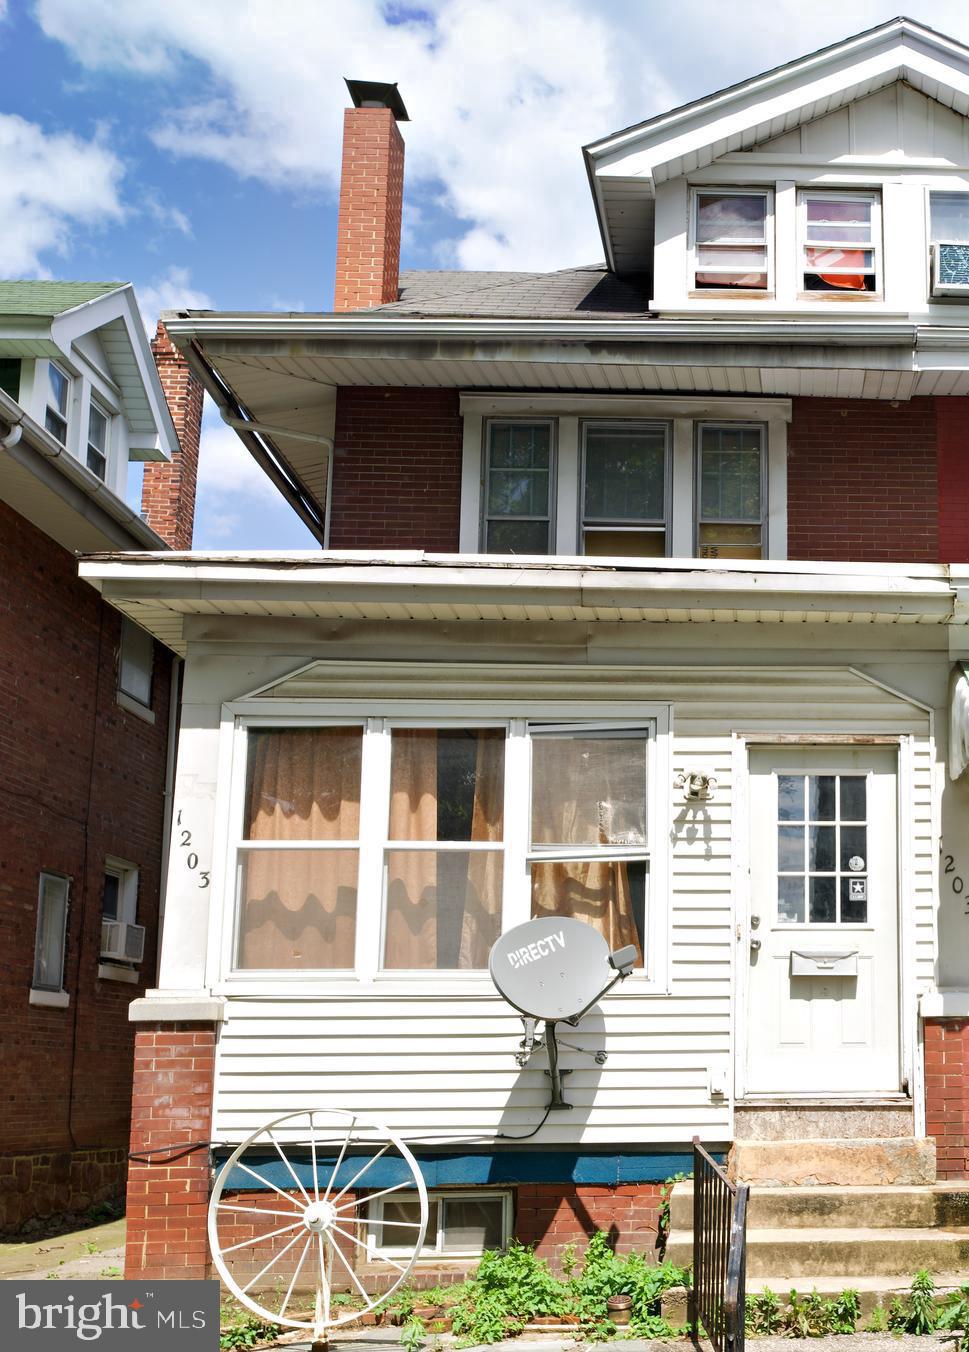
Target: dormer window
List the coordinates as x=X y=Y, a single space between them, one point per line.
x=97 y=440
x=840 y=240
x=730 y=233
x=58 y=394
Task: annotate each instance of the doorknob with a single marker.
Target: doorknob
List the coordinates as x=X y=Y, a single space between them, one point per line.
x=755 y=945
x=754 y=921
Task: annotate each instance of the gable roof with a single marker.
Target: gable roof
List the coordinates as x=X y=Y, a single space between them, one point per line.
x=570 y=293
x=625 y=167
x=45 y=299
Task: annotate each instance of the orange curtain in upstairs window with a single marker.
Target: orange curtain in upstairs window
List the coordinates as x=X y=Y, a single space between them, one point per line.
x=298 y=907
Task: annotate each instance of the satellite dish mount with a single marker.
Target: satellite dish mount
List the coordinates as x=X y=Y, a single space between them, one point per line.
x=553 y=970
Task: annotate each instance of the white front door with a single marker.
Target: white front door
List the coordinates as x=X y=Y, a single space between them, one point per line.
x=823 y=985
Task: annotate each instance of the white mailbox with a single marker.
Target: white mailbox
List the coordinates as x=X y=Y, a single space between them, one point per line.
x=824 y=964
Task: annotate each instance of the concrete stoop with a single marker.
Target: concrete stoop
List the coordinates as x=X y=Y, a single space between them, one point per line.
x=869 y=1235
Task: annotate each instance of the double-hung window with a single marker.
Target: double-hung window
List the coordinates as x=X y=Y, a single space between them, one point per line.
x=58 y=397
x=98 y=428
x=625 y=477
x=840 y=241
x=51 y=938
x=730 y=239
x=394 y=846
x=518 y=496
x=731 y=491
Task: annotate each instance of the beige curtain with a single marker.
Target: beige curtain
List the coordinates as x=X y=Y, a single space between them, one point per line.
x=443 y=907
x=587 y=791
x=299 y=906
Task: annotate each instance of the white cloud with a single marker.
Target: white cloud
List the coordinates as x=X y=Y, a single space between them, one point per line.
x=54 y=182
x=226 y=469
x=501 y=94
x=170 y=290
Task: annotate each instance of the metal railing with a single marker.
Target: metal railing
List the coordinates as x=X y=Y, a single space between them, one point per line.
x=719 y=1255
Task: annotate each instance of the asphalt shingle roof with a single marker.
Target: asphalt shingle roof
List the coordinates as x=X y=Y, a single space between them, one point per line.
x=575 y=293
x=47 y=299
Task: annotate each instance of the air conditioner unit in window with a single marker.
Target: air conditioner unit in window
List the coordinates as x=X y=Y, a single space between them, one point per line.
x=121 y=941
x=950 y=269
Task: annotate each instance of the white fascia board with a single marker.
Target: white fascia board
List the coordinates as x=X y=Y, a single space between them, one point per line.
x=94 y=314
x=900 y=50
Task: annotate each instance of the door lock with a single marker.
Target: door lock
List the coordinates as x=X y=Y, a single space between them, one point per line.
x=754 y=921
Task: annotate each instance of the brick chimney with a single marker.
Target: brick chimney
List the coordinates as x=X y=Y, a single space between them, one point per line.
x=371 y=197
x=168 y=490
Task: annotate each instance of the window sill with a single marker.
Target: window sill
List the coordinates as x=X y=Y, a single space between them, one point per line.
x=725 y=293
x=107 y=971
x=420 y=985
x=50 y=999
x=133 y=706
x=849 y=297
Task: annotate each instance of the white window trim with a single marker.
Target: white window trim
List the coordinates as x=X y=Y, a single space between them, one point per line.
x=570 y=410
x=95 y=404
x=375 y=1211
x=367 y=979
x=876 y=247
x=551 y=424
x=47 y=995
x=755 y=190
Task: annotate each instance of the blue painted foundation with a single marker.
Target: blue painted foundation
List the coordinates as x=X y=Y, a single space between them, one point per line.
x=450 y=1170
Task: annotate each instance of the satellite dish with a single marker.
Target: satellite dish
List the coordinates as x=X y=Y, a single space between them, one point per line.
x=551 y=968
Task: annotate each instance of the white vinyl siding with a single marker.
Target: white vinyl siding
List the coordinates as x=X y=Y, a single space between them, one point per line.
x=449 y=1066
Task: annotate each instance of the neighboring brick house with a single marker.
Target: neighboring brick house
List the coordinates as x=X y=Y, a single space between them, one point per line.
x=643 y=599
x=86 y=749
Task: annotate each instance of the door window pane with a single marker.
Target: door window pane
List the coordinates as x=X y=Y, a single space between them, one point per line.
x=828 y=855
x=518 y=491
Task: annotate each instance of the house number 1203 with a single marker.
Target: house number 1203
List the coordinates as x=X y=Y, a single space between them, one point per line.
x=191 y=855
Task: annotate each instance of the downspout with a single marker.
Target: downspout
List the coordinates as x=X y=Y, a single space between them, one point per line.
x=267 y=456
x=174 y=721
x=13 y=436
x=327 y=505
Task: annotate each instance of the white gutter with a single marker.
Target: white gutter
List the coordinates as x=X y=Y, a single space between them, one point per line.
x=42 y=443
x=872 y=333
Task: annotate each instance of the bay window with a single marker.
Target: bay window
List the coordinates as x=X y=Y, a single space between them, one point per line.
x=393 y=846
x=730 y=239
x=840 y=241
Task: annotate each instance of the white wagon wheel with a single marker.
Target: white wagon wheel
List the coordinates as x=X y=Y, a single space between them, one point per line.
x=309 y=1219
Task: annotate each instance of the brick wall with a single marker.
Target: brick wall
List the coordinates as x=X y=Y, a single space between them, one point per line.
x=947 y=1094
x=168 y=489
x=80 y=778
x=397 y=469
x=371 y=203
x=171 y=1105
x=952 y=419
x=862 y=481
x=552 y=1215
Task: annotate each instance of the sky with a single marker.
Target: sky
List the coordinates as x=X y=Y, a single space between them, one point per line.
x=192 y=147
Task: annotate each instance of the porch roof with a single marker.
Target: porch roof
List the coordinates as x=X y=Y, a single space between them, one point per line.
x=162 y=591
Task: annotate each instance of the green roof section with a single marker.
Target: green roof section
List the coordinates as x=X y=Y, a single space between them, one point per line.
x=47 y=299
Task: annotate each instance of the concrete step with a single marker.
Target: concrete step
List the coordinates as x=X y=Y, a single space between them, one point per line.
x=891 y=1206
x=811 y=1252
x=872 y=1291
x=859 y=1162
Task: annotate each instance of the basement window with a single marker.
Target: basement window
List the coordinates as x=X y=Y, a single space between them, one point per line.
x=729 y=239
x=459 y=1224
